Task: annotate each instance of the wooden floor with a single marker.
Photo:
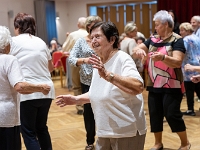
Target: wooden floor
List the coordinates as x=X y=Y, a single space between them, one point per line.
x=67 y=128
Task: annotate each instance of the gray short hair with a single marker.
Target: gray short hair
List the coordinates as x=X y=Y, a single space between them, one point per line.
x=197 y=18
x=81 y=22
x=5 y=38
x=163 y=16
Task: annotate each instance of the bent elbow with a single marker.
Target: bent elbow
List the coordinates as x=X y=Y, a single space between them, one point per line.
x=140 y=89
x=18 y=87
x=137 y=90
x=176 y=65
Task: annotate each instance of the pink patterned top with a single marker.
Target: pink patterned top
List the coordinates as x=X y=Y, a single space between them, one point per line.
x=161 y=77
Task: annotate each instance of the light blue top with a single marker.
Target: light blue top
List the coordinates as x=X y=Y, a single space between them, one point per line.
x=197 y=33
x=192 y=55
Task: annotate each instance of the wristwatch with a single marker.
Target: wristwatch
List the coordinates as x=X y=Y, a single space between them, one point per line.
x=111 y=76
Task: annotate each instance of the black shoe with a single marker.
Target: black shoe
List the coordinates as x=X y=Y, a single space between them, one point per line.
x=189 y=113
x=80 y=112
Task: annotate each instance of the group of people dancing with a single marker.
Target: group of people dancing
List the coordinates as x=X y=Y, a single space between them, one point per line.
x=116 y=85
x=111 y=84
x=25 y=68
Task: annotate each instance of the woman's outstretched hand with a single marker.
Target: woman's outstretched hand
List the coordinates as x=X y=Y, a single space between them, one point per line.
x=64 y=100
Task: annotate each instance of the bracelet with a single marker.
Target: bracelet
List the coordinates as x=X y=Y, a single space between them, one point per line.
x=83 y=60
x=163 y=58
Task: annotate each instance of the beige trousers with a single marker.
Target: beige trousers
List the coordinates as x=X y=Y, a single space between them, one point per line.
x=128 y=143
x=76 y=80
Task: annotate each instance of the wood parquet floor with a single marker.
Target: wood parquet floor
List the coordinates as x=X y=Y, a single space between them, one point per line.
x=68 y=133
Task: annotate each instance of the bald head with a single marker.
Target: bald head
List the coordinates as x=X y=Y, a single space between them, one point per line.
x=81 y=22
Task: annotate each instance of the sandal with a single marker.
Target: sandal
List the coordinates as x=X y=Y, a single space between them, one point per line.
x=89 y=147
x=186 y=147
x=159 y=148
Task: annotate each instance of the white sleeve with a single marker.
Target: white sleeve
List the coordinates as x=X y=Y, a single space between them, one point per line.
x=14 y=72
x=129 y=69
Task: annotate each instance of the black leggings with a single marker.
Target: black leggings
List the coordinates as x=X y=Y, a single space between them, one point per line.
x=190 y=88
x=88 y=118
x=10 y=138
x=165 y=105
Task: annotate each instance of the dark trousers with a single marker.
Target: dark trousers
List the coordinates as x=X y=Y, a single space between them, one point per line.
x=165 y=105
x=34 y=114
x=88 y=118
x=10 y=138
x=190 y=88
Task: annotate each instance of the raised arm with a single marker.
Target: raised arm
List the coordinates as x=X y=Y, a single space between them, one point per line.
x=127 y=84
x=173 y=61
x=140 y=52
x=189 y=67
x=77 y=52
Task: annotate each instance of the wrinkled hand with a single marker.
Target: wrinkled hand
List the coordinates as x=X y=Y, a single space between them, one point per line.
x=188 y=67
x=64 y=100
x=45 y=89
x=195 y=78
x=97 y=63
x=141 y=54
x=157 y=56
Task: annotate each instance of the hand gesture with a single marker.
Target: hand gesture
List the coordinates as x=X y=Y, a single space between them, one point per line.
x=188 y=67
x=157 y=56
x=140 y=53
x=64 y=100
x=45 y=89
x=97 y=63
x=195 y=78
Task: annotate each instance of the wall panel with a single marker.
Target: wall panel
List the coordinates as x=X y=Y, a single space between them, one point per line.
x=139 y=12
x=121 y=19
x=145 y=20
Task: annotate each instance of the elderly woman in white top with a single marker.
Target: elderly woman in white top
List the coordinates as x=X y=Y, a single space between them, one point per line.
x=114 y=94
x=11 y=82
x=36 y=63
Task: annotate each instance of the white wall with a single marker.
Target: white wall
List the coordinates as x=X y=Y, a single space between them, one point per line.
x=16 y=6
x=70 y=11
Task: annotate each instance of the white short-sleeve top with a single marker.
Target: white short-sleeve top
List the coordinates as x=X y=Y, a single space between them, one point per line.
x=33 y=56
x=10 y=74
x=117 y=114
